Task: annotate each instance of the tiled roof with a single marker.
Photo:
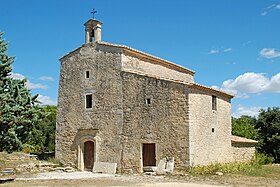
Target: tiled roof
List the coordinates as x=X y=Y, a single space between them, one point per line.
x=137 y=52
x=194 y=85
x=238 y=139
x=206 y=88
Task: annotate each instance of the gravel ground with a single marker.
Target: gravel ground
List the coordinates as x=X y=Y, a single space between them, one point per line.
x=92 y=179
x=64 y=175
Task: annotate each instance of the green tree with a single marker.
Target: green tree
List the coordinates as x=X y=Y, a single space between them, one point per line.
x=43 y=133
x=269 y=125
x=245 y=127
x=18 y=109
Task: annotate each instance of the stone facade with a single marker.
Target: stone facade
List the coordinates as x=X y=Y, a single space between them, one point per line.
x=242 y=149
x=163 y=121
x=138 y=102
x=210 y=130
x=105 y=84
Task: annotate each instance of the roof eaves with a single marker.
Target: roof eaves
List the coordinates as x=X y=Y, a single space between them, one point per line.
x=238 y=139
x=206 y=88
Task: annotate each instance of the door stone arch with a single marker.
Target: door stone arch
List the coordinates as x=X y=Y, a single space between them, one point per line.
x=87 y=144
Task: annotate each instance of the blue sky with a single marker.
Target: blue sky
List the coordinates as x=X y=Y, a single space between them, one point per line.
x=232 y=45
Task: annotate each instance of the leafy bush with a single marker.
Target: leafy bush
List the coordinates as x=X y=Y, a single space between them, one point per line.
x=262 y=159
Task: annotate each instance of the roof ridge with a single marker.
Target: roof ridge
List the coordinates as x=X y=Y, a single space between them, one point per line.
x=149 y=55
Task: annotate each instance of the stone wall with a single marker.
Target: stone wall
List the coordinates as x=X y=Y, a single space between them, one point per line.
x=243 y=152
x=163 y=122
x=134 y=64
x=106 y=115
x=206 y=146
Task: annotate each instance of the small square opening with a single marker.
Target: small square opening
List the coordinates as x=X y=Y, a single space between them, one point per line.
x=213 y=130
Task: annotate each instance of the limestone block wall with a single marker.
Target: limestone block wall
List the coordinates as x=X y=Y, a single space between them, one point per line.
x=243 y=152
x=163 y=121
x=134 y=64
x=105 y=84
x=206 y=146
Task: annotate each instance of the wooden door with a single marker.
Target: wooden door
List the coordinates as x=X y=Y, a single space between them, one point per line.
x=88 y=155
x=149 y=154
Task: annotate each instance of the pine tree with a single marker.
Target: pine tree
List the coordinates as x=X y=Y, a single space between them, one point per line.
x=18 y=109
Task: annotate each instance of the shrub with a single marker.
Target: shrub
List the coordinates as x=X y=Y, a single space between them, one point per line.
x=262 y=159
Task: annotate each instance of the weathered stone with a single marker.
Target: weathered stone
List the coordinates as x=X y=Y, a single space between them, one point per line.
x=137 y=99
x=219 y=173
x=104 y=167
x=170 y=165
x=161 y=166
x=8 y=171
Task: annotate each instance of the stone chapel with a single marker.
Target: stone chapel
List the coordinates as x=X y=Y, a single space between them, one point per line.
x=120 y=105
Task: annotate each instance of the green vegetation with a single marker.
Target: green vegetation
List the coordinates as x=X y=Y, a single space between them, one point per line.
x=245 y=127
x=253 y=168
x=268 y=124
x=265 y=129
x=43 y=134
x=24 y=125
x=247 y=169
x=19 y=111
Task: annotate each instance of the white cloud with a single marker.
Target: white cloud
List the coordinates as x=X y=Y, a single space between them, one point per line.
x=248 y=111
x=216 y=51
x=17 y=76
x=46 y=100
x=227 y=49
x=29 y=84
x=269 y=9
x=251 y=83
x=46 y=78
x=213 y=51
x=269 y=53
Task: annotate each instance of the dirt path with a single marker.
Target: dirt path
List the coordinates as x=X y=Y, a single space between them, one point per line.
x=91 y=179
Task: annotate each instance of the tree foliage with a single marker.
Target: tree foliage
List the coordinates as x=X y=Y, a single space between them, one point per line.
x=18 y=108
x=245 y=127
x=268 y=124
x=43 y=134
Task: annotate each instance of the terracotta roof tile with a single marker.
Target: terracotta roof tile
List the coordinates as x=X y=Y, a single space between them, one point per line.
x=238 y=139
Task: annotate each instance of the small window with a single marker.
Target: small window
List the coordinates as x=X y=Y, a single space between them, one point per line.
x=148 y=101
x=214 y=102
x=87 y=75
x=89 y=101
x=213 y=130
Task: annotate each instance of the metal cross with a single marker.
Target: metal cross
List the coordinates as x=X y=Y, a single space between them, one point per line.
x=93 y=12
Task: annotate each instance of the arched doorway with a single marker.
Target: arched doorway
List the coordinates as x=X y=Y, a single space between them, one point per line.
x=88 y=155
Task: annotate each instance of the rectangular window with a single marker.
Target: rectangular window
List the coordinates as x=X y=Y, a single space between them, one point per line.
x=148 y=101
x=89 y=101
x=87 y=74
x=214 y=102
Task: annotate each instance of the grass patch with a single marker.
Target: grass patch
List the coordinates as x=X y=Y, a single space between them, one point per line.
x=224 y=168
x=247 y=169
x=268 y=171
x=55 y=161
x=260 y=167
